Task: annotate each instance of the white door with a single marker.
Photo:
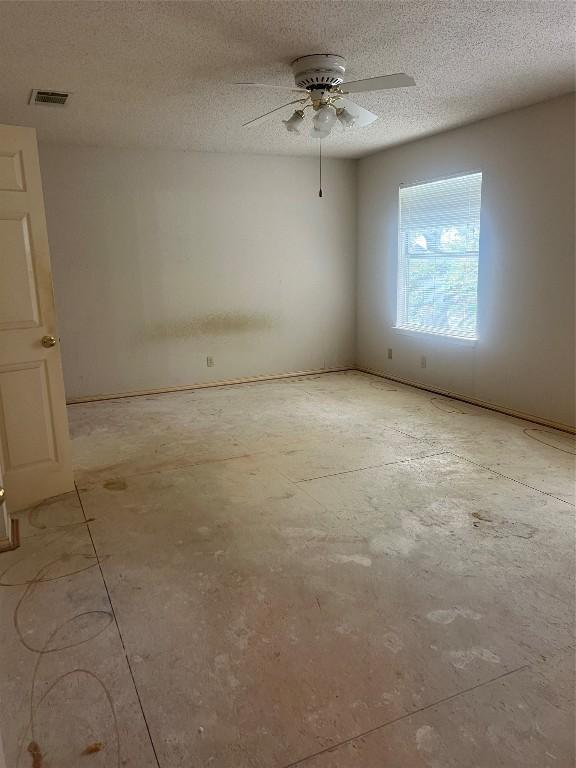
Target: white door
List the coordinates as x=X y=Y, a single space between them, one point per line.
x=34 y=442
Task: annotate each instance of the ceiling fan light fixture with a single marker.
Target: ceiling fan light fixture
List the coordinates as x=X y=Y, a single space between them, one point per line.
x=294 y=122
x=324 y=118
x=320 y=84
x=315 y=133
x=346 y=118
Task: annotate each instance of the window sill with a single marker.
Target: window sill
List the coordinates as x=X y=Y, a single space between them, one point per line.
x=429 y=336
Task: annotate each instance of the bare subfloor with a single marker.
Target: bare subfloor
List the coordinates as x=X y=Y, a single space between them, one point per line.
x=329 y=572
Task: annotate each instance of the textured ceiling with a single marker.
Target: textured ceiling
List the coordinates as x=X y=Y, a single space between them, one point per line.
x=158 y=74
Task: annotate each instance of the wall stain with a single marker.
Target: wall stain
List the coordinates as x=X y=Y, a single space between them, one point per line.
x=215 y=324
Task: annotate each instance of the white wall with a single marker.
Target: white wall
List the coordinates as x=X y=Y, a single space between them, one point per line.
x=524 y=359
x=163 y=258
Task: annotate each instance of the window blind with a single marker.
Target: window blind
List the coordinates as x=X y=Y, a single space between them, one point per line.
x=439 y=238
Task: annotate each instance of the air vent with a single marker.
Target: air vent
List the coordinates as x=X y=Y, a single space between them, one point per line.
x=51 y=98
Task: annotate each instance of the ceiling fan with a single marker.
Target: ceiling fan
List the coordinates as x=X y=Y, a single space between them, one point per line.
x=320 y=84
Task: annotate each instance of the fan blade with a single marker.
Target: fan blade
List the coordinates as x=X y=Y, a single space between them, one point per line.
x=363 y=116
x=381 y=83
x=266 y=114
x=291 y=89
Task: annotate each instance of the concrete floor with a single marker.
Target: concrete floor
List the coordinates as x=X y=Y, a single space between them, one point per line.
x=330 y=572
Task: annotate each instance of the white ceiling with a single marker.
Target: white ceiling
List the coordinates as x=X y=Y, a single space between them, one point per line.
x=158 y=74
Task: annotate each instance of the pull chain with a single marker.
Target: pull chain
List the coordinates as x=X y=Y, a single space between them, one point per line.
x=320 y=190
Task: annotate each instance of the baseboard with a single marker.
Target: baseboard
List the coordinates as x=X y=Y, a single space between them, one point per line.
x=474 y=401
x=205 y=385
x=274 y=376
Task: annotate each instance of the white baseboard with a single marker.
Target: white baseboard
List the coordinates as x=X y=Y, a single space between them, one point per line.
x=204 y=385
x=473 y=401
x=374 y=372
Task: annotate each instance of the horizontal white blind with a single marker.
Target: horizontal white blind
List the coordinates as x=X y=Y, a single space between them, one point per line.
x=439 y=238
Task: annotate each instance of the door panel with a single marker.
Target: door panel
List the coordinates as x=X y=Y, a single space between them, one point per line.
x=11 y=172
x=18 y=298
x=27 y=425
x=34 y=442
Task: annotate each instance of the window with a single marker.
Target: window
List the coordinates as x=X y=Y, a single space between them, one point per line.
x=439 y=237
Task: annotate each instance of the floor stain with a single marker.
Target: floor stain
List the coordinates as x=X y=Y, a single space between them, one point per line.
x=500 y=529
x=461 y=659
x=50 y=645
x=115 y=485
x=535 y=434
x=481 y=516
x=91 y=749
x=36 y=755
x=447 y=406
x=448 y=615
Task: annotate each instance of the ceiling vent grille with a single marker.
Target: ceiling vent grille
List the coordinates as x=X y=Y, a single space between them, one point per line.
x=52 y=98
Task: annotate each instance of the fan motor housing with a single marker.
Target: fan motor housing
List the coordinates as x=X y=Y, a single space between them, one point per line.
x=320 y=71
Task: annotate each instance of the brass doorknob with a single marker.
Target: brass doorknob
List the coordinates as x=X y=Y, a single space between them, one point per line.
x=2 y=495
x=48 y=341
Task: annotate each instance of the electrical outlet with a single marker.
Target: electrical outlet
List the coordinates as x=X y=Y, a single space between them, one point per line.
x=389 y=353
x=210 y=362
x=423 y=362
